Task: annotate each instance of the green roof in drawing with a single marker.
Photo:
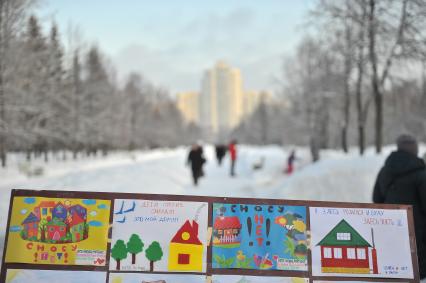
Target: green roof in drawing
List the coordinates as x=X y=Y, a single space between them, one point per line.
x=343 y=228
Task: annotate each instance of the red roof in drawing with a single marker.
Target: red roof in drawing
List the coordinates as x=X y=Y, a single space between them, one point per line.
x=192 y=231
x=76 y=219
x=227 y=222
x=46 y=203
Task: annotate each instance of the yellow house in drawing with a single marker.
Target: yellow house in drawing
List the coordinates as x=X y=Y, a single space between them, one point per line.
x=186 y=250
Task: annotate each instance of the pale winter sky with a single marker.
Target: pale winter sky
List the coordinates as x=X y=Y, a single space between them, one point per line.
x=172 y=42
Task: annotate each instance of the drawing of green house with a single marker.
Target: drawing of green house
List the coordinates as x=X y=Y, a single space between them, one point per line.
x=344 y=250
x=76 y=228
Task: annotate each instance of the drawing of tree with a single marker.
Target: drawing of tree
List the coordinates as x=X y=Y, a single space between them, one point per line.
x=153 y=253
x=42 y=227
x=134 y=246
x=119 y=252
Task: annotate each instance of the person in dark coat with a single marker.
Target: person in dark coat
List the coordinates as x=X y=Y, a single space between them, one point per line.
x=402 y=180
x=196 y=160
x=220 y=153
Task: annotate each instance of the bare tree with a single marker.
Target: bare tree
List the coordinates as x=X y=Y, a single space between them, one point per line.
x=12 y=15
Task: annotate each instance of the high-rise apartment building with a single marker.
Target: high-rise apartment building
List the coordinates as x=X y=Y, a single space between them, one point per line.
x=221 y=98
x=221 y=104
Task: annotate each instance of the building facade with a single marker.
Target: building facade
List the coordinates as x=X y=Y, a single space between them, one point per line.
x=221 y=98
x=187 y=103
x=222 y=103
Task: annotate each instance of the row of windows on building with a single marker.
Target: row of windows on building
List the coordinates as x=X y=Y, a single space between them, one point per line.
x=351 y=253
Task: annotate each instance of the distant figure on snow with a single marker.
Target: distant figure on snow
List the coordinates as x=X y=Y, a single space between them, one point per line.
x=402 y=180
x=220 y=153
x=290 y=162
x=259 y=163
x=196 y=160
x=233 y=155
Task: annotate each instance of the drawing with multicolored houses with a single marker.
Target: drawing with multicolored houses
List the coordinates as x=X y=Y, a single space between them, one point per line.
x=344 y=250
x=55 y=222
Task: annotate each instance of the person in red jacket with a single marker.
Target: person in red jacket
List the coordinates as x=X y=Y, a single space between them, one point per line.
x=290 y=162
x=233 y=155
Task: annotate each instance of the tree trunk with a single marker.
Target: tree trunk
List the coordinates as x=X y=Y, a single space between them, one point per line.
x=2 y=114
x=345 y=138
x=46 y=155
x=361 y=139
x=314 y=149
x=133 y=258
x=358 y=91
x=151 y=266
x=377 y=94
x=118 y=264
x=347 y=106
x=2 y=95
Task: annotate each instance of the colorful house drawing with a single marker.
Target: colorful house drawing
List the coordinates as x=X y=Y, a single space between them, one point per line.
x=76 y=228
x=56 y=229
x=186 y=249
x=44 y=209
x=80 y=210
x=226 y=231
x=59 y=211
x=344 y=250
x=54 y=221
x=30 y=225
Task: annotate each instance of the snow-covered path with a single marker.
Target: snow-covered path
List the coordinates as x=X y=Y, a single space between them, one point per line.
x=337 y=177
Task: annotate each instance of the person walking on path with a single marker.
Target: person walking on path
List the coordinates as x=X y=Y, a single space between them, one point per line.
x=196 y=160
x=233 y=155
x=402 y=180
x=220 y=153
x=290 y=162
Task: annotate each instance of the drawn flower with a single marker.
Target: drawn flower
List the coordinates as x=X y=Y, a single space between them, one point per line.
x=281 y=220
x=299 y=225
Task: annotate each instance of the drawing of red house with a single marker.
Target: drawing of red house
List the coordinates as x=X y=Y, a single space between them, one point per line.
x=30 y=225
x=44 y=209
x=226 y=231
x=79 y=209
x=56 y=230
x=76 y=227
x=344 y=250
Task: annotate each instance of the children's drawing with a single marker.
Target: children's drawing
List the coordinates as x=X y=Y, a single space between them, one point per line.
x=227 y=231
x=43 y=276
x=263 y=237
x=151 y=235
x=256 y=279
x=355 y=242
x=344 y=250
x=58 y=231
x=155 y=278
x=186 y=249
x=54 y=222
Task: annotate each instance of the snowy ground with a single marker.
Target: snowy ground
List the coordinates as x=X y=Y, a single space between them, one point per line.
x=337 y=177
